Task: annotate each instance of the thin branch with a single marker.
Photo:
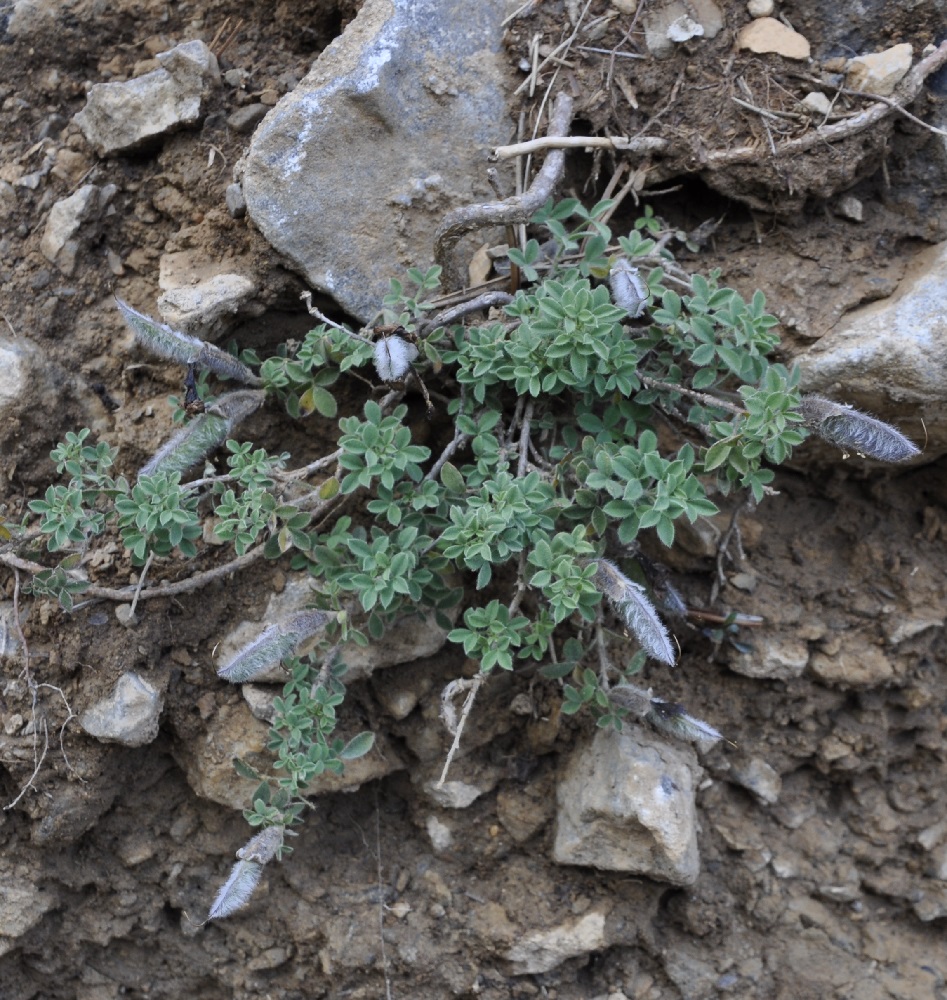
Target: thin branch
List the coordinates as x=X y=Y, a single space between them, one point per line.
x=645 y=144
x=524 y=439
x=313 y=311
x=517 y=209
x=700 y=397
x=484 y=301
x=473 y=686
x=459 y=441
x=381 y=898
x=141 y=583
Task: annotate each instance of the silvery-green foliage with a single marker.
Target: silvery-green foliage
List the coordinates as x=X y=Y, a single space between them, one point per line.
x=237 y=890
x=160 y=339
x=393 y=358
x=272 y=645
x=630 y=601
x=204 y=433
x=852 y=430
x=629 y=289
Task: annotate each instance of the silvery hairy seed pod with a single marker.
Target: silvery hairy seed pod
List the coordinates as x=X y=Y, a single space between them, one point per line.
x=673 y=720
x=393 y=357
x=272 y=644
x=629 y=289
x=629 y=600
x=852 y=430
x=207 y=431
x=160 y=339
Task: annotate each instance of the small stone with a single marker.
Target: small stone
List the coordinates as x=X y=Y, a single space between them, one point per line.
x=125 y=616
x=849 y=207
x=452 y=794
x=114 y=263
x=67 y=217
x=626 y=803
x=759 y=778
x=773 y=656
x=543 y=950
x=440 y=834
x=246 y=119
x=745 y=581
x=760 y=8
x=625 y=6
x=879 y=72
x=683 y=29
x=858 y=664
x=766 y=34
x=236 y=203
x=817 y=104
x=128 y=716
x=269 y=97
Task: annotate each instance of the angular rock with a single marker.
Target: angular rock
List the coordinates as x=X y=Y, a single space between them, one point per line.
x=129 y=715
x=758 y=777
x=235 y=732
x=122 y=116
x=890 y=357
x=67 y=217
x=817 y=104
x=452 y=794
x=776 y=657
x=350 y=174
x=23 y=903
x=210 y=307
x=879 y=72
x=678 y=21
x=542 y=951
x=626 y=803
x=766 y=34
x=16 y=359
x=857 y=664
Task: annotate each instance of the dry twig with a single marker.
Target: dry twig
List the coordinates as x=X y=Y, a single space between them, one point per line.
x=517 y=209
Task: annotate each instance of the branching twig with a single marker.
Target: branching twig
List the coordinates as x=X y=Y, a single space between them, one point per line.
x=700 y=397
x=524 y=439
x=484 y=301
x=644 y=144
x=517 y=209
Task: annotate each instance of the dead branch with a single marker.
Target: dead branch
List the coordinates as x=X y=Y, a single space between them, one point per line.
x=517 y=209
x=645 y=144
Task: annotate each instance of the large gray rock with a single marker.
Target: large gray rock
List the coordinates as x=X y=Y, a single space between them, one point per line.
x=350 y=174
x=890 y=357
x=626 y=803
x=121 y=116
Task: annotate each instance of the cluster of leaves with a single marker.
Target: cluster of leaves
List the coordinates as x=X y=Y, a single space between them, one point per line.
x=613 y=395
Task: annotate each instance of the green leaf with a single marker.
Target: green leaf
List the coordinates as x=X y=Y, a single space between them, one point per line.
x=452 y=478
x=358 y=746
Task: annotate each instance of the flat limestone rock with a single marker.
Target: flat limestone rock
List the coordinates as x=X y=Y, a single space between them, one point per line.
x=351 y=173
x=122 y=116
x=766 y=34
x=879 y=72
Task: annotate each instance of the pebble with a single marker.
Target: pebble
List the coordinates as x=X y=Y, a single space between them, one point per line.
x=760 y=8
x=766 y=34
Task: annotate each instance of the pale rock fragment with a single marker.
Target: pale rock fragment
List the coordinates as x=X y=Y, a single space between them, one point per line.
x=766 y=34
x=879 y=72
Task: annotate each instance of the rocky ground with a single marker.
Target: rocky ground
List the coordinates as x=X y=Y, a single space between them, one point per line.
x=821 y=823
